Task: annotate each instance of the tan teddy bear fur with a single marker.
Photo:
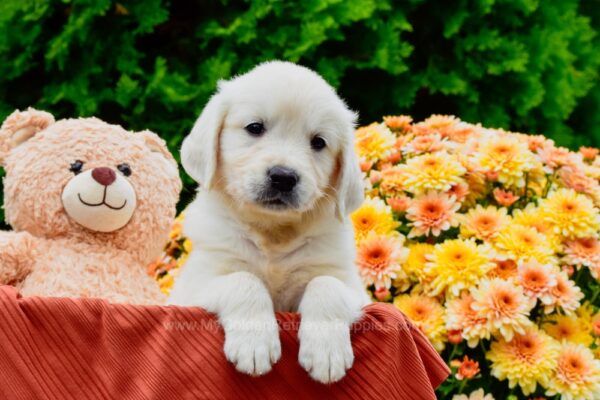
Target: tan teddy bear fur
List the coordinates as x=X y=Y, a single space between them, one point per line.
x=49 y=253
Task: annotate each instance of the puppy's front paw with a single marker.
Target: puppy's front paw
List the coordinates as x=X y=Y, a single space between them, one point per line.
x=325 y=350
x=253 y=346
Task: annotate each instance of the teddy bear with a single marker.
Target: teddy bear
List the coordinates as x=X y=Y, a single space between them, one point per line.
x=90 y=204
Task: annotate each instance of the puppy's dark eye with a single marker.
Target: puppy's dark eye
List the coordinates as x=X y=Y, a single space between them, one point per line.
x=124 y=168
x=317 y=143
x=76 y=167
x=255 y=129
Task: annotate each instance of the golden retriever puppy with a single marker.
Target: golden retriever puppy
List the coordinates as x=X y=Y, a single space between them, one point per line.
x=274 y=156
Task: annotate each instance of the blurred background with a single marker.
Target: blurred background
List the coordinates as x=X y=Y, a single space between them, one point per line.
x=525 y=65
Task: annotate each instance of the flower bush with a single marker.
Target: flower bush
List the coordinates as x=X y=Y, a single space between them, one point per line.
x=488 y=241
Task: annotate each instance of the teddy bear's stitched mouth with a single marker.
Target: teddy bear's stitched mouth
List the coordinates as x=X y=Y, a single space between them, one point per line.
x=102 y=203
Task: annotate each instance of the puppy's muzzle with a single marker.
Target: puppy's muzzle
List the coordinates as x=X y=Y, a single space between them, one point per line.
x=282 y=179
x=279 y=188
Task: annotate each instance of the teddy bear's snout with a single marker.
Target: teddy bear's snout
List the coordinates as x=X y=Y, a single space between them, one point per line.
x=104 y=176
x=99 y=199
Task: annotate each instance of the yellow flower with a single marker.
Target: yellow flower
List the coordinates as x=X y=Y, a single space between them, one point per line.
x=187 y=245
x=477 y=188
x=457 y=264
x=165 y=283
x=507 y=157
x=586 y=316
x=417 y=257
x=437 y=171
x=373 y=215
x=427 y=314
x=563 y=327
x=374 y=142
x=577 y=374
x=528 y=359
x=176 y=228
x=531 y=216
x=484 y=223
x=522 y=243
x=392 y=181
x=571 y=214
x=182 y=260
x=504 y=305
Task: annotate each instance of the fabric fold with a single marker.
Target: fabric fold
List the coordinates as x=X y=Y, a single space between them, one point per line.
x=67 y=348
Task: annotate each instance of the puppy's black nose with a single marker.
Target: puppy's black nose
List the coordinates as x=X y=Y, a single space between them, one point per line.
x=282 y=179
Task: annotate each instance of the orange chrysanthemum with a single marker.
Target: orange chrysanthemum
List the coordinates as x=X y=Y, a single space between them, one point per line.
x=467 y=369
x=399 y=203
x=565 y=295
x=399 y=123
x=484 y=223
x=584 y=251
x=461 y=317
x=504 y=269
x=537 y=280
x=589 y=153
x=555 y=157
x=504 y=305
x=379 y=257
x=424 y=144
x=432 y=214
x=460 y=191
x=577 y=374
x=504 y=197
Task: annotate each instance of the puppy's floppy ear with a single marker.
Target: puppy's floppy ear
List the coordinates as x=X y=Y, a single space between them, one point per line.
x=20 y=126
x=350 y=193
x=199 y=151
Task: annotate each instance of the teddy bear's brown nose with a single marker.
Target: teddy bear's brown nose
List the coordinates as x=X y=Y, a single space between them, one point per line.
x=104 y=176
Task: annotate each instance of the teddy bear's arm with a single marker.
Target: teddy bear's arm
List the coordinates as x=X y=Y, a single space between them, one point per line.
x=17 y=255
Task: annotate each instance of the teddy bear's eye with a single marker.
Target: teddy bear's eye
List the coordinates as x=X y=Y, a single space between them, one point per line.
x=124 y=168
x=76 y=167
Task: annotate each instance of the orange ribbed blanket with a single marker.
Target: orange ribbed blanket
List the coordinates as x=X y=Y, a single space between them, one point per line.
x=62 y=348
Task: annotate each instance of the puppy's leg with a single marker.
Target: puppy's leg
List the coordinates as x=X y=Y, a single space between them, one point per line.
x=245 y=310
x=328 y=308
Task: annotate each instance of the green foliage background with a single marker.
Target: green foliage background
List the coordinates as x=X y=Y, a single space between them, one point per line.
x=527 y=65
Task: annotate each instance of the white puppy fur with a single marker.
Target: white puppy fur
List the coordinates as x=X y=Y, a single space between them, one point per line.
x=257 y=250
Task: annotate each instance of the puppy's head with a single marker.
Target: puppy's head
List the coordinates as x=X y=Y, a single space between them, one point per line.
x=278 y=140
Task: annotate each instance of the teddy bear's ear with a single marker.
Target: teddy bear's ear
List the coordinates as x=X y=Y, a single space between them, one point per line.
x=156 y=144
x=21 y=126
